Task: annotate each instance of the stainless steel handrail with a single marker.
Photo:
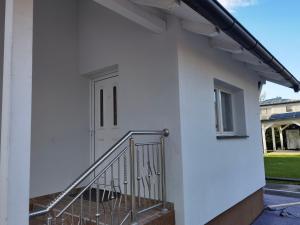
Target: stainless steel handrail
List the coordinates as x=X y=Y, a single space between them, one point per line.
x=90 y=183
x=95 y=165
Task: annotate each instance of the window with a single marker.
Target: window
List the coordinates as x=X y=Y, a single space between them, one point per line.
x=229 y=110
x=226 y=104
x=289 y=108
x=266 y=110
x=224 y=112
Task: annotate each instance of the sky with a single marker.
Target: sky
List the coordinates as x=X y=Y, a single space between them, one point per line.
x=276 y=24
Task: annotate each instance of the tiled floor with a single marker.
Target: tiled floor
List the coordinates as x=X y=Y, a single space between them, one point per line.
x=152 y=217
x=290 y=216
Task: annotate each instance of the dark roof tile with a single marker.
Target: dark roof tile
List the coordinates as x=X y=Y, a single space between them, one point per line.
x=285 y=116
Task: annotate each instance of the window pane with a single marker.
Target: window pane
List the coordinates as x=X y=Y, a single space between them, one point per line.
x=216 y=110
x=226 y=103
x=289 y=108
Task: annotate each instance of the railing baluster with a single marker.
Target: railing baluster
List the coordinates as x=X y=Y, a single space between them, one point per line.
x=112 y=172
x=158 y=173
x=97 y=203
x=119 y=172
x=97 y=219
x=49 y=220
x=104 y=194
x=149 y=172
x=154 y=171
x=81 y=210
x=163 y=173
x=72 y=214
x=62 y=219
x=138 y=175
x=143 y=147
x=104 y=179
x=112 y=199
x=125 y=181
x=120 y=194
x=132 y=180
x=102 y=202
x=144 y=174
x=112 y=184
x=90 y=203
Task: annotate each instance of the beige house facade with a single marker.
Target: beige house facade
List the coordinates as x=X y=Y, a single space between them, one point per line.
x=281 y=116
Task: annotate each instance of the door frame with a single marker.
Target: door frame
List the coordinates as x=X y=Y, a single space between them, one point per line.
x=96 y=76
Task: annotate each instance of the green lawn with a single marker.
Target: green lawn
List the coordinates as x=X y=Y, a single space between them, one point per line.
x=286 y=165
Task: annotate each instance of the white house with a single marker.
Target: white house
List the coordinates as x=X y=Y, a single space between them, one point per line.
x=282 y=115
x=79 y=74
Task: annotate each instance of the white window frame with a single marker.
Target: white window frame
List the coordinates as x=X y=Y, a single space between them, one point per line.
x=219 y=116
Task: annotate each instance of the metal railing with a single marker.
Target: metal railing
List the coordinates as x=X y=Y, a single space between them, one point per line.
x=105 y=194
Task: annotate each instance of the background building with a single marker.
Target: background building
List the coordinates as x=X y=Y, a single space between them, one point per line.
x=280 y=123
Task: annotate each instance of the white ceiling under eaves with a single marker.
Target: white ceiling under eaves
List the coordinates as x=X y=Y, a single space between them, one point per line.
x=195 y=23
x=163 y=4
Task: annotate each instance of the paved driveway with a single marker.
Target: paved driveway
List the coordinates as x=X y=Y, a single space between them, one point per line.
x=290 y=216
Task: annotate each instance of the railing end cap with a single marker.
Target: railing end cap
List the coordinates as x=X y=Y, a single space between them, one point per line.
x=166 y=132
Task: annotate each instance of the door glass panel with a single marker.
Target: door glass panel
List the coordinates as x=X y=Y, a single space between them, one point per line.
x=115 y=106
x=226 y=103
x=101 y=109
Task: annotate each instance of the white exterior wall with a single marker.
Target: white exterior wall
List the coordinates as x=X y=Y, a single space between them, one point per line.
x=16 y=113
x=148 y=79
x=217 y=173
x=2 y=28
x=60 y=118
x=166 y=81
x=2 y=14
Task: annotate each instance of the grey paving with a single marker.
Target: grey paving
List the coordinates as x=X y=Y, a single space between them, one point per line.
x=283 y=190
x=286 y=187
x=289 y=216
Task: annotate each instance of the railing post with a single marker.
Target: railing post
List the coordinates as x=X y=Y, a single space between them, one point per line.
x=49 y=220
x=81 y=210
x=132 y=181
x=163 y=174
x=62 y=220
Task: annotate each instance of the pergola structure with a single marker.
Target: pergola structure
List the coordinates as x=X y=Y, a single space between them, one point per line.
x=280 y=122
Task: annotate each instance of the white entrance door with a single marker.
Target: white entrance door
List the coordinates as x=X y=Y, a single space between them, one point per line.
x=106 y=118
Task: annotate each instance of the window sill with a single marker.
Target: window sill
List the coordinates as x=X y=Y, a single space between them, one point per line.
x=221 y=137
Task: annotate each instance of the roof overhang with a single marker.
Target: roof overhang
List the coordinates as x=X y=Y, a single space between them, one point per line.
x=221 y=18
x=209 y=19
